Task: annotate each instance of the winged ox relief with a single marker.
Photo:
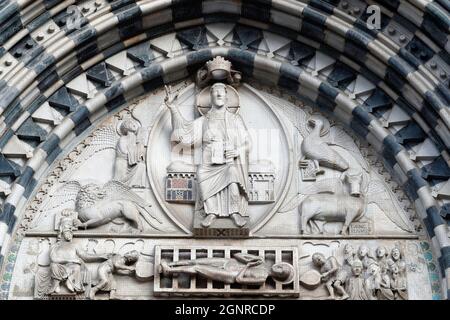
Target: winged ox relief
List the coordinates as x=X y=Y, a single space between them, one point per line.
x=344 y=200
x=348 y=185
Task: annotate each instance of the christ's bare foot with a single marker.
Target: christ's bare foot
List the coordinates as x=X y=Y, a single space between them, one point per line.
x=206 y=223
x=238 y=220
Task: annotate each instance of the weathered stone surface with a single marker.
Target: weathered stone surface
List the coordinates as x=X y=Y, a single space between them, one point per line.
x=50 y=151
x=64 y=100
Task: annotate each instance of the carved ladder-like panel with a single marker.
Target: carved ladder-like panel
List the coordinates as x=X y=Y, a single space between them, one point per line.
x=188 y=285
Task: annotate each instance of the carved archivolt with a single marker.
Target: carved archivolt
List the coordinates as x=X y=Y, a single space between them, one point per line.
x=305 y=179
x=48 y=101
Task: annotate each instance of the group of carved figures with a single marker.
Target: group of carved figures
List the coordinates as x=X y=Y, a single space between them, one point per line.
x=222 y=175
x=68 y=273
x=338 y=184
x=223 y=193
x=363 y=276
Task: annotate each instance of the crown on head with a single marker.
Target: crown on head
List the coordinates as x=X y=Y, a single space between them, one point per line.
x=218 y=63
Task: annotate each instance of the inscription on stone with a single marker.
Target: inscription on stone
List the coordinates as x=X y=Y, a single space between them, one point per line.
x=360 y=228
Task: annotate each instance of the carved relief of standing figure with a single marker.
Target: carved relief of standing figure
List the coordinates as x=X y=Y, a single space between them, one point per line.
x=365 y=256
x=356 y=285
x=225 y=143
x=397 y=266
x=129 y=167
x=385 y=292
x=398 y=283
x=373 y=281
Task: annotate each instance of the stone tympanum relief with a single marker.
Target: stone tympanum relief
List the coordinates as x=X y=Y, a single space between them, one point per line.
x=66 y=275
x=337 y=191
x=104 y=268
x=125 y=137
x=357 y=273
x=142 y=206
x=226 y=170
x=221 y=158
x=222 y=176
x=226 y=271
x=105 y=181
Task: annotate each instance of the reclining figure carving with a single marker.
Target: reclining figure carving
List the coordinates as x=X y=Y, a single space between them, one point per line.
x=241 y=269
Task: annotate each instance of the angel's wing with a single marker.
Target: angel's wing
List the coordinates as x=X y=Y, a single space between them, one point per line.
x=297 y=116
x=330 y=185
x=338 y=137
x=102 y=139
x=61 y=196
x=116 y=190
x=377 y=193
x=292 y=203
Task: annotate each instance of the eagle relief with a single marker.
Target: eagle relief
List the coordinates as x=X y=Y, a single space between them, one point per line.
x=220 y=186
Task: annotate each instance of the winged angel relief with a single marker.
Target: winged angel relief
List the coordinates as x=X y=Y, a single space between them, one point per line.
x=99 y=204
x=126 y=140
x=334 y=198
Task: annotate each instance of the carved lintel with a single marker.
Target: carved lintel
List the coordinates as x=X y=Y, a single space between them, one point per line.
x=362 y=274
x=270 y=271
